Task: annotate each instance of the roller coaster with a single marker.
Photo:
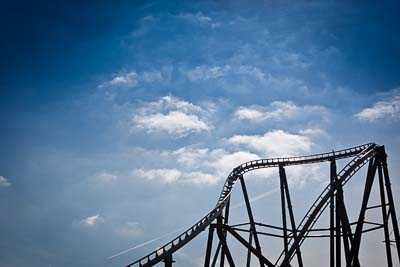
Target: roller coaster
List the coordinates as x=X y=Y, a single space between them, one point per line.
x=344 y=236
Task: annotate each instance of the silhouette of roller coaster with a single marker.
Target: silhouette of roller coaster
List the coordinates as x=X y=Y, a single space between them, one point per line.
x=344 y=236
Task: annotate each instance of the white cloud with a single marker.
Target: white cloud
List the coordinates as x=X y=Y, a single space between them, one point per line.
x=172 y=116
x=93 y=220
x=382 y=110
x=280 y=110
x=4 y=182
x=249 y=113
x=275 y=143
x=174 y=122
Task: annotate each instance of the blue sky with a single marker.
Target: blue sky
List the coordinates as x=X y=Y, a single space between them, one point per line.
x=120 y=121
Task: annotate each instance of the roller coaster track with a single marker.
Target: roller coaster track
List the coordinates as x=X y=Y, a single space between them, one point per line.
x=322 y=201
x=362 y=154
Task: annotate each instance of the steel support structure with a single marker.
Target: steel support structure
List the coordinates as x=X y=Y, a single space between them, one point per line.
x=283 y=179
x=251 y=218
x=332 y=215
x=392 y=209
x=344 y=236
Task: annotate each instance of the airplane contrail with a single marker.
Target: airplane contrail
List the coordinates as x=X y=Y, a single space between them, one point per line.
x=145 y=243
x=256 y=198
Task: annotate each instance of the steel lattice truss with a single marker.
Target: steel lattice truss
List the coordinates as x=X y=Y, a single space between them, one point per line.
x=340 y=232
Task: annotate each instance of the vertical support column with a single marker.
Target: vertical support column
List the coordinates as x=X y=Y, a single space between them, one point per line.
x=360 y=222
x=283 y=209
x=209 y=246
x=222 y=240
x=214 y=262
x=249 y=252
x=282 y=174
x=251 y=218
x=168 y=261
x=337 y=215
x=338 y=228
x=346 y=229
x=332 y=215
x=384 y=216
x=391 y=202
x=225 y=221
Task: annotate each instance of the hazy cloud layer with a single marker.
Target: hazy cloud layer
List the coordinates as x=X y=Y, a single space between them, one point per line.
x=197 y=165
x=192 y=165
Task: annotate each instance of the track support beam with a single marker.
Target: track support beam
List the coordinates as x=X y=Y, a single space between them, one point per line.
x=332 y=216
x=392 y=209
x=282 y=176
x=384 y=216
x=251 y=218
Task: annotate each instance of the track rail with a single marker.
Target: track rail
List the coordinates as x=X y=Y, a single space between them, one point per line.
x=361 y=152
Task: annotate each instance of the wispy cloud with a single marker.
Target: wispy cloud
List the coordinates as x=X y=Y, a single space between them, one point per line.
x=4 y=182
x=206 y=73
x=105 y=177
x=388 y=109
x=199 y=19
x=280 y=110
x=173 y=116
x=132 y=79
x=128 y=79
x=212 y=72
x=144 y=25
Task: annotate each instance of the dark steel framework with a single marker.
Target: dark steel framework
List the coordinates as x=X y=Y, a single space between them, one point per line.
x=341 y=232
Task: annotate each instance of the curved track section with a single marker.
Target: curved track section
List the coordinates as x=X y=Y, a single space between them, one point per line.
x=362 y=154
